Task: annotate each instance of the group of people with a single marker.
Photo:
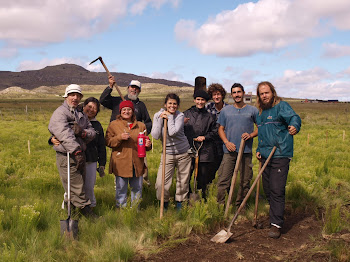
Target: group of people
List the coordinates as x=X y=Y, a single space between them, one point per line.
x=213 y=129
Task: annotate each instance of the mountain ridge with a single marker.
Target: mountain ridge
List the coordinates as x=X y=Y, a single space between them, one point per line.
x=65 y=74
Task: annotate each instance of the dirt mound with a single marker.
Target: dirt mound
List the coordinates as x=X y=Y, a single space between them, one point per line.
x=300 y=236
x=15 y=90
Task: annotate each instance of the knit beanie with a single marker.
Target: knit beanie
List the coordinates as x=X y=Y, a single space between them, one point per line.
x=126 y=103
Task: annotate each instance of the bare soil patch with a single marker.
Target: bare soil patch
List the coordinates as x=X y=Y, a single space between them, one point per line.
x=300 y=238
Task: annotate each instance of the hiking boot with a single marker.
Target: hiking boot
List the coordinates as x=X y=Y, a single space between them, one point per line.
x=88 y=213
x=274 y=232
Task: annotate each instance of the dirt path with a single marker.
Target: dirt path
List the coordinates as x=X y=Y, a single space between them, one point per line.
x=300 y=235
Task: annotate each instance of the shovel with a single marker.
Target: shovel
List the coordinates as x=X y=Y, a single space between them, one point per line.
x=194 y=195
x=224 y=235
x=69 y=227
x=165 y=131
x=234 y=177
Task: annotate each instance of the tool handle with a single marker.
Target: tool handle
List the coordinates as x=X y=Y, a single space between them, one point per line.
x=115 y=84
x=68 y=184
x=120 y=93
x=234 y=177
x=251 y=189
x=257 y=198
x=165 y=131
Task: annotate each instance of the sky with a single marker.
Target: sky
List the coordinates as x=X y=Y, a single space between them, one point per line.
x=301 y=46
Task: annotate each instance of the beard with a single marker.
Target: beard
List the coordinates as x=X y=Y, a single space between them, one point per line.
x=267 y=105
x=132 y=97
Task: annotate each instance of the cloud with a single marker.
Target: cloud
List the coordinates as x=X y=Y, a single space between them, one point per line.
x=36 y=65
x=138 y=7
x=264 y=26
x=170 y=75
x=315 y=83
x=36 y=23
x=333 y=50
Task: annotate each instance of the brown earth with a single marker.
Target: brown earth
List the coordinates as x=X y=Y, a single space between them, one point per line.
x=301 y=236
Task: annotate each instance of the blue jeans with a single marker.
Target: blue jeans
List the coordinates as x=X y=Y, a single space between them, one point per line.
x=122 y=189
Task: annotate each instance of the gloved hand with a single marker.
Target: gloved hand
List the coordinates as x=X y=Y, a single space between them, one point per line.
x=80 y=160
x=78 y=131
x=101 y=171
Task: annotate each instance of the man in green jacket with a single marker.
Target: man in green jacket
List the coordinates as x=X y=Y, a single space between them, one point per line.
x=277 y=124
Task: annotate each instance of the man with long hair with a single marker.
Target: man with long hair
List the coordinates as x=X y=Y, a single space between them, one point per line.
x=277 y=124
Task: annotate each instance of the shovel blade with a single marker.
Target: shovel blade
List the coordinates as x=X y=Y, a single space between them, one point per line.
x=69 y=228
x=221 y=237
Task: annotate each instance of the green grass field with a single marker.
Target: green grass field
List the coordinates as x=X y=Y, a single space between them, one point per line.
x=31 y=192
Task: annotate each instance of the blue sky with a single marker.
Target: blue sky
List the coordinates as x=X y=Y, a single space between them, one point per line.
x=301 y=46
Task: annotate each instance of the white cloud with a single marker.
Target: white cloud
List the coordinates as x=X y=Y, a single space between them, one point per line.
x=35 y=23
x=170 y=75
x=333 y=50
x=140 y=5
x=35 y=65
x=264 y=26
x=315 y=83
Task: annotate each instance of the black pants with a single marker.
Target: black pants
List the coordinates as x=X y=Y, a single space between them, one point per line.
x=206 y=174
x=274 y=180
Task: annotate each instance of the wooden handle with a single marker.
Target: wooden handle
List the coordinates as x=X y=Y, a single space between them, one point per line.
x=234 y=177
x=115 y=84
x=251 y=189
x=165 y=131
x=257 y=197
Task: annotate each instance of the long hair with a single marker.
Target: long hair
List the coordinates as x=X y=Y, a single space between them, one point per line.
x=276 y=98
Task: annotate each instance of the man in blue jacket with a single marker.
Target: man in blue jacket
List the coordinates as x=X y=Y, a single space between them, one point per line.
x=277 y=124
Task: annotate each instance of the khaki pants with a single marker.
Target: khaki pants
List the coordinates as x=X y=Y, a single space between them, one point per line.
x=182 y=163
x=77 y=196
x=226 y=172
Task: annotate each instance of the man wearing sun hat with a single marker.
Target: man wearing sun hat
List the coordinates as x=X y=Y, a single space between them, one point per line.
x=74 y=130
x=112 y=102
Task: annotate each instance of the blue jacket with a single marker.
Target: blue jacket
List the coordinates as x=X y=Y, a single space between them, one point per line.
x=273 y=130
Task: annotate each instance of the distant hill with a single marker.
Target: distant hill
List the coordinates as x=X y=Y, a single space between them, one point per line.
x=66 y=74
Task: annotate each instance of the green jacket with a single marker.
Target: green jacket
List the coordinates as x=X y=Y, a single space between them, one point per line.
x=273 y=130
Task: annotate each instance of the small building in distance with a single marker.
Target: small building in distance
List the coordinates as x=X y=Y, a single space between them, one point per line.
x=248 y=98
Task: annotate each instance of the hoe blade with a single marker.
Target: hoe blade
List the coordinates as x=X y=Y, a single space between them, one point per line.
x=221 y=237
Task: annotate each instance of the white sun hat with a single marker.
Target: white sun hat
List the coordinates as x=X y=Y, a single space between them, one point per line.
x=73 y=88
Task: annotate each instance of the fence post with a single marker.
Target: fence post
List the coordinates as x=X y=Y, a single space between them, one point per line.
x=29 y=147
